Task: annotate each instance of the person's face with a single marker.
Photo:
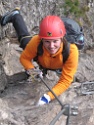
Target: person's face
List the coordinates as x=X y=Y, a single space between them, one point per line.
x=52 y=45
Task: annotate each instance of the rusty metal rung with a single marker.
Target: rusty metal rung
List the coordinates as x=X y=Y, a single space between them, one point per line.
x=87 y=88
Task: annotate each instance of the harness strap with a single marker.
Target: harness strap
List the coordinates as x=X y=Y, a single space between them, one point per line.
x=66 y=52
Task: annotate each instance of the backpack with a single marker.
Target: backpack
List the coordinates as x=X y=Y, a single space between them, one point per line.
x=74 y=35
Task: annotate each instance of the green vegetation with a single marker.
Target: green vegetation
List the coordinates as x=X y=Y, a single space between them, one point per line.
x=76 y=10
x=73 y=7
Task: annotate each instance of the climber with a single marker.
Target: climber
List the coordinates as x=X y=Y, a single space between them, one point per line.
x=52 y=37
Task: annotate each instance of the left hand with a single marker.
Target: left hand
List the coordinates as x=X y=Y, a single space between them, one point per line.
x=45 y=99
x=34 y=74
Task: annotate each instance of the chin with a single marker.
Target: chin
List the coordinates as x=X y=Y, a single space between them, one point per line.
x=52 y=52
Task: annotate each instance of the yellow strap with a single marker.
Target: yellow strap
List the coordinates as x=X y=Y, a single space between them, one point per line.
x=24 y=37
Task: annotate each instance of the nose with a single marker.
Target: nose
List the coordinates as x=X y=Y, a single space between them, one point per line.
x=51 y=45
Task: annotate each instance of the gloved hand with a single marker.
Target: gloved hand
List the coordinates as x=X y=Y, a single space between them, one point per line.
x=45 y=99
x=34 y=74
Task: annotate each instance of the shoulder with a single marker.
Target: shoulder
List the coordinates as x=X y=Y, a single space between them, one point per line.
x=33 y=44
x=73 y=57
x=35 y=39
x=74 y=52
x=74 y=49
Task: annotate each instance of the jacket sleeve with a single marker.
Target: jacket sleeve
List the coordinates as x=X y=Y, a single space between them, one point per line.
x=68 y=71
x=29 y=53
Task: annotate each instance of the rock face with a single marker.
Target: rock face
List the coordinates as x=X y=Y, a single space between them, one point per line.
x=18 y=101
x=3 y=78
x=86 y=67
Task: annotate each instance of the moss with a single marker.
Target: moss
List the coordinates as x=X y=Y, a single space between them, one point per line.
x=73 y=7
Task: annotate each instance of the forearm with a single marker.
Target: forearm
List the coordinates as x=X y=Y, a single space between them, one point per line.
x=64 y=82
x=27 y=64
x=59 y=88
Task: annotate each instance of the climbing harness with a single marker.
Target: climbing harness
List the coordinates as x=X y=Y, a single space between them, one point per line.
x=66 y=109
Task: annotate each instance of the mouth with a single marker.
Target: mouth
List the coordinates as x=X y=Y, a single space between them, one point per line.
x=52 y=51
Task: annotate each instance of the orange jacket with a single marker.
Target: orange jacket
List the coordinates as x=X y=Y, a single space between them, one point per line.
x=52 y=62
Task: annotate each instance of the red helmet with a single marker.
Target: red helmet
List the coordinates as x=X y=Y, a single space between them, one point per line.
x=52 y=27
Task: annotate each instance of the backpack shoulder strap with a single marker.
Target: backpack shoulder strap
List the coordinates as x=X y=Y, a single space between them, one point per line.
x=66 y=52
x=39 y=51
